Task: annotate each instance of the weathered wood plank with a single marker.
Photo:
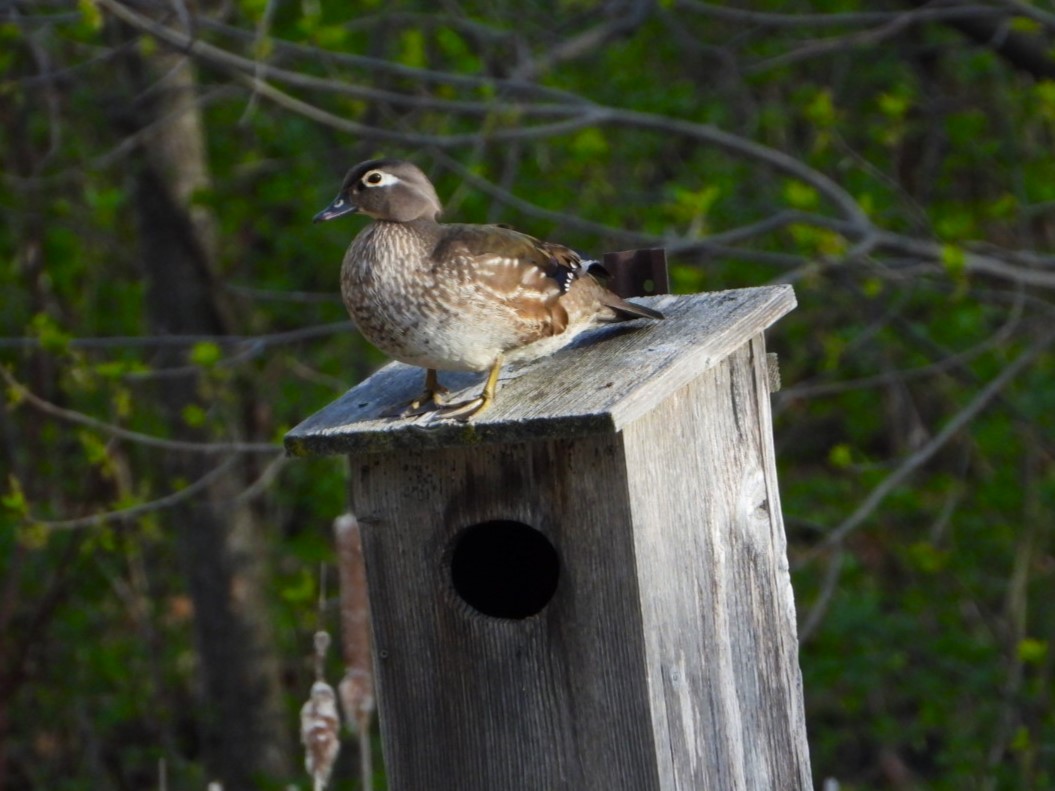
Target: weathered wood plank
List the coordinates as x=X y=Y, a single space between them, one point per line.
x=557 y=701
x=607 y=379
x=716 y=600
x=667 y=658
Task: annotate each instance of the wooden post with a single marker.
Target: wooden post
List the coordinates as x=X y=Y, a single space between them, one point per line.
x=587 y=587
x=638 y=273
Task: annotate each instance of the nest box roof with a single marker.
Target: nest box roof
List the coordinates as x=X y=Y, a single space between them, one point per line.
x=599 y=384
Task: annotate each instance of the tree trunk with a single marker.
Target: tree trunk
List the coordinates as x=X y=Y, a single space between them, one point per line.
x=242 y=719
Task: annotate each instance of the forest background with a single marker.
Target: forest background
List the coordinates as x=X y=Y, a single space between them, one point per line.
x=169 y=312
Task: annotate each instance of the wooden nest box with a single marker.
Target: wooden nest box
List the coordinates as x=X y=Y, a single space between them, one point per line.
x=585 y=588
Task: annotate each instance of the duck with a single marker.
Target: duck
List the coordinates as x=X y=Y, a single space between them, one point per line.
x=458 y=296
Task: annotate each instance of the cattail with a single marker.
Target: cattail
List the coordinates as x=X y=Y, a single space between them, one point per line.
x=319 y=726
x=357 y=686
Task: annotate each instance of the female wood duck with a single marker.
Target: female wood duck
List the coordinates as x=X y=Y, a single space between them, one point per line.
x=456 y=297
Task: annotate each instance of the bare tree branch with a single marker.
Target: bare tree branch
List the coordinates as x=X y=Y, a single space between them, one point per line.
x=260 y=71
x=159 y=341
x=187 y=493
x=1029 y=53
x=71 y=416
x=912 y=462
x=269 y=294
x=533 y=210
x=829 y=585
x=115 y=155
x=835 y=540
x=866 y=38
x=767 y=19
x=193 y=490
x=262 y=29
x=1029 y=10
x=973 y=261
x=585 y=116
x=998 y=338
x=505 y=89
x=587 y=41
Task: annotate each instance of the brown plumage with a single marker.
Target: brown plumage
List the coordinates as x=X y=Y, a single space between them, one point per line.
x=457 y=297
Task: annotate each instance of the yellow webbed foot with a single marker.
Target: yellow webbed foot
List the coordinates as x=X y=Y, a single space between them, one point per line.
x=432 y=397
x=466 y=410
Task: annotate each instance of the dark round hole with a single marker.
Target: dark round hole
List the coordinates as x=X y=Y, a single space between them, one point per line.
x=504 y=569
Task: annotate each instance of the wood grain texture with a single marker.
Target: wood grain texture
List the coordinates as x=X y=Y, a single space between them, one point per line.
x=717 y=607
x=603 y=382
x=667 y=659
x=556 y=701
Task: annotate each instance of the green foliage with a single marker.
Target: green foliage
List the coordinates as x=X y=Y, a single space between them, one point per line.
x=934 y=649
x=14 y=501
x=205 y=354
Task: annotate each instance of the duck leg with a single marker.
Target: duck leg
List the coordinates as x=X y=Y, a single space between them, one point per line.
x=431 y=396
x=467 y=410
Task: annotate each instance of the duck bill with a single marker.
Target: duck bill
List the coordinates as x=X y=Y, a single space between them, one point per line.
x=339 y=207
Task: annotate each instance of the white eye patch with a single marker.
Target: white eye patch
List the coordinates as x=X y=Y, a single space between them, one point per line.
x=379 y=178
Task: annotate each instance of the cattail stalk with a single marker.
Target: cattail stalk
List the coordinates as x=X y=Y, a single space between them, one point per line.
x=357 y=686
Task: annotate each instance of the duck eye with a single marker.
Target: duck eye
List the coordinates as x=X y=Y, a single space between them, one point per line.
x=374 y=178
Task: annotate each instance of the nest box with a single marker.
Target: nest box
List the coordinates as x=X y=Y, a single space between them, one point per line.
x=586 y=587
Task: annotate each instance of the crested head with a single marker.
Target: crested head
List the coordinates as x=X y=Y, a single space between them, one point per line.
x=385 y=189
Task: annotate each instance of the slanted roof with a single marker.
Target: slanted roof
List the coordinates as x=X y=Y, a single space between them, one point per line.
x=605 y=380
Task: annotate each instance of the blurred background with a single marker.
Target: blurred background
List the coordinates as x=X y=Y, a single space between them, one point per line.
x=169 y=311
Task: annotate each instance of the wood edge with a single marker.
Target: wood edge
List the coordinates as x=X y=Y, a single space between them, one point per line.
x=447 y=434
x=782 y=303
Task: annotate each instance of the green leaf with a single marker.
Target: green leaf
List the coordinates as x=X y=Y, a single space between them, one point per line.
x=91 y=16
x=589 y=144
x=94 y=448
x=841 y=456
x=1044 y=99
x=52 y=337
x=693 y=205
x=821 y=110
x=801 y=196
x=331 y=36
x=1021 y=741
x=954 y=259
x=147 y=46
x=301 y=589
x=412 y=48
x=121 y=399
x=1003 y=208
x=206 y=354
x=15 y=499
x=894 y=105
x=193 y=415
x=1032 y=651
x=33 y=536
x=926 y=557
x=117 y=369
x=253 y=8
x=873 y=287
x=14 y=395
x=1023 y=24
x=957 y=224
